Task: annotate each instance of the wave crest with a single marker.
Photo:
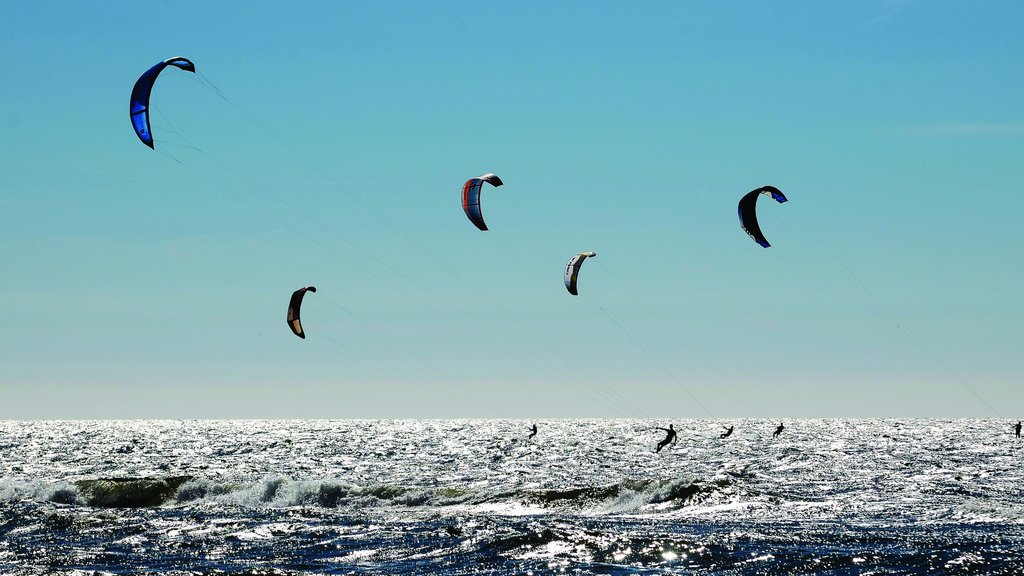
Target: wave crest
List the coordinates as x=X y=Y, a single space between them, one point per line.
x=282 y=492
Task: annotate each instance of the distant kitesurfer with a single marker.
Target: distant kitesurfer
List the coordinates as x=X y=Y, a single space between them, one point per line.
x=778 y=430
x=1016 y=429
x=670 y=437
x=533 y=432
x=727 y=433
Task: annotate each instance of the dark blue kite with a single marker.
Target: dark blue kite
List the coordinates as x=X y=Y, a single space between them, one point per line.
x=140 y=96
x=748 y=216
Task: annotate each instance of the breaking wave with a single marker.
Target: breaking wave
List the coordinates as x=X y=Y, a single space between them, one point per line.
x=282 y=492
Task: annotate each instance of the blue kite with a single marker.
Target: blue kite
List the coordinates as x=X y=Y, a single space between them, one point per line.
x=140 y=96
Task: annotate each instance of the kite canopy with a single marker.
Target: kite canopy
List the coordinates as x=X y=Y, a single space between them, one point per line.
x=748 y=214
x=139 y=107
x=572 y=270
x=293 y=310
x=471 y=198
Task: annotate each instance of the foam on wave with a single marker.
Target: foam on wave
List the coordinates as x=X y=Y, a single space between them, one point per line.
x=282 y=492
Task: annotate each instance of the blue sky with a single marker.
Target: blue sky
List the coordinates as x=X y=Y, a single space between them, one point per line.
x=154 y=284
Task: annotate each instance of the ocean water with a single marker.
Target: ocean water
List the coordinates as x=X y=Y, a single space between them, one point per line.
x=475 y=497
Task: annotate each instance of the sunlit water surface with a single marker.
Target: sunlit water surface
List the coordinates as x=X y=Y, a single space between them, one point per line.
x=475 y=497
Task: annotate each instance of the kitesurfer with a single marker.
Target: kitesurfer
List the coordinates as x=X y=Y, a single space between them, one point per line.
x=778 y=430
x=533 y=432
x=727 y=433
x=670 y=437
x=1016 y=429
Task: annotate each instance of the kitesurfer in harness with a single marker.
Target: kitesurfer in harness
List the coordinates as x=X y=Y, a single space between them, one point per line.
x=727 y=433
x=533 y=432
x=1016 y=429
x=670 y=437
x=778 y=430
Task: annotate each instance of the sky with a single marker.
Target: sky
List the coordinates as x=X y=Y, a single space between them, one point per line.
x=326 y=144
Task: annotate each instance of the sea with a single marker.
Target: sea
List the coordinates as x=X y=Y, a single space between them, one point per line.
x=837 y=497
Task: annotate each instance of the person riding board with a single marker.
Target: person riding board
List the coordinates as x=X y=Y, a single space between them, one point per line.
x=670 y=436
x=778 y=430
x=727 y=433
x=1016 y=429
x=533 y=432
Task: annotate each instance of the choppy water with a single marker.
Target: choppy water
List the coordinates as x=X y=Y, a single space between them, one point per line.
x=472 y=497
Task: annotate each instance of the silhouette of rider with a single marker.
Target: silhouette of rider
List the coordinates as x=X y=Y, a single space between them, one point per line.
x=1016 y=429
x=533 y=432
x=778 y=430
x=727 y=433
x=670 y=436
